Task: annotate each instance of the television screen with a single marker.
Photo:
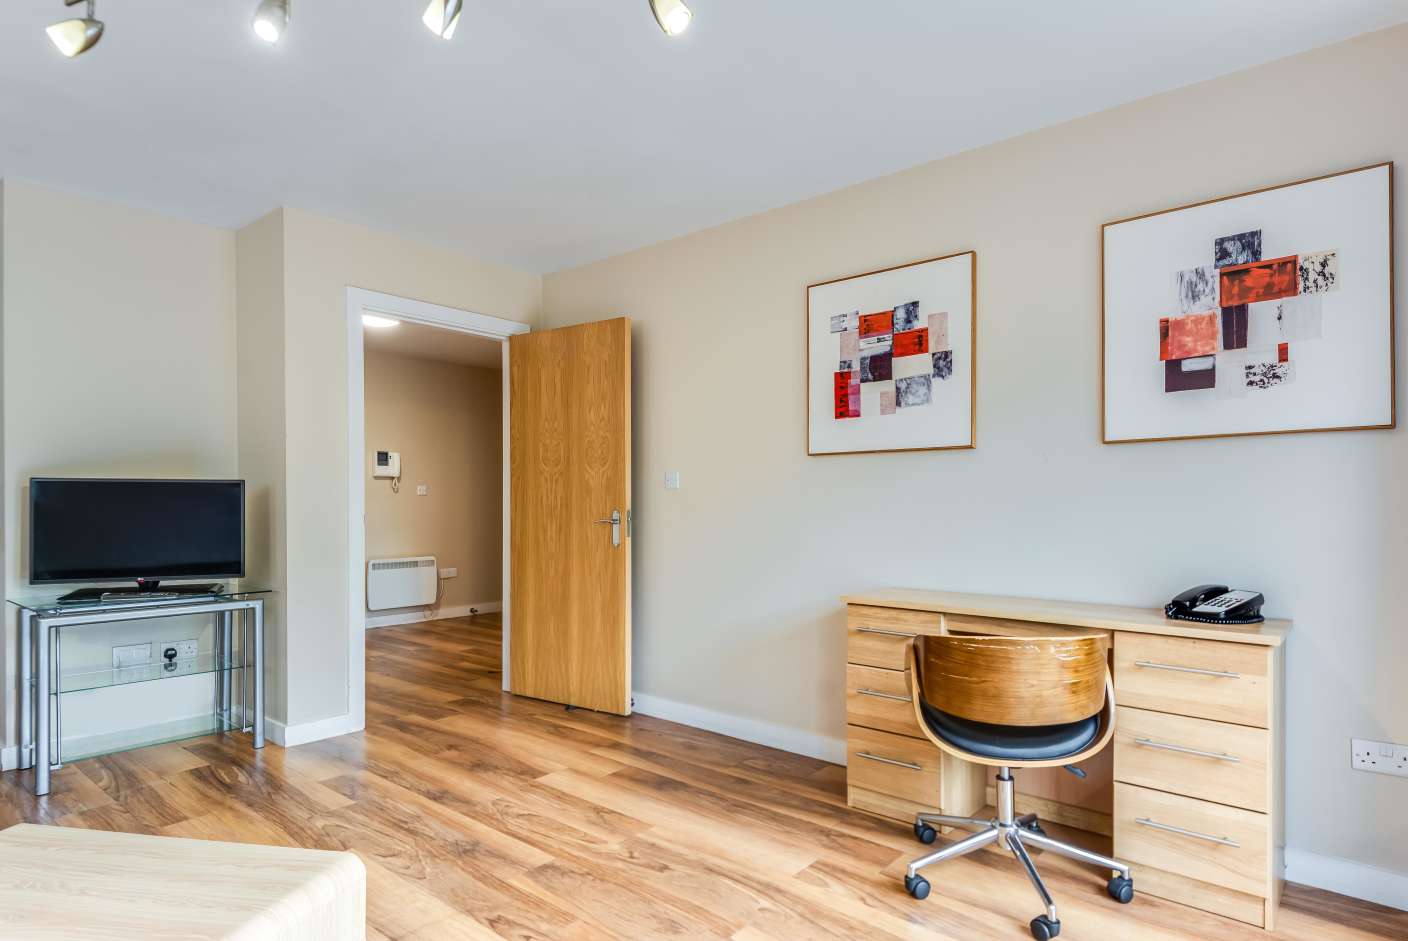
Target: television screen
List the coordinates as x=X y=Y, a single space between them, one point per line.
x=123 y=530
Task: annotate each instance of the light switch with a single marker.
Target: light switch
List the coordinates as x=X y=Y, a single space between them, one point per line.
x=422 y=490
x=672 y=480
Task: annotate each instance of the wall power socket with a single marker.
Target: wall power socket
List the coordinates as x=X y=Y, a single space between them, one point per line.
x=1379 y=757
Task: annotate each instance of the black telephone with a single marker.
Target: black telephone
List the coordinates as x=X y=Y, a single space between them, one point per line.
x=1216 y=604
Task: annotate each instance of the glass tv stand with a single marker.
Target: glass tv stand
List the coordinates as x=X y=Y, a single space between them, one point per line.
x=237 y=663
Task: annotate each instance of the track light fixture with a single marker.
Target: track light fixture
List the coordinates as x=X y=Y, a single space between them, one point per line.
x=672 y=15
x=271 y=19
x=442 y=16
x=77 y=36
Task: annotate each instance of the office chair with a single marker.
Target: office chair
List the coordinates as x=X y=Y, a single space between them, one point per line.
x=1013 y=702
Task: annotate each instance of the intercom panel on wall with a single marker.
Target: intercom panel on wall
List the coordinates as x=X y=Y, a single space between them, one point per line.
x=386 y=464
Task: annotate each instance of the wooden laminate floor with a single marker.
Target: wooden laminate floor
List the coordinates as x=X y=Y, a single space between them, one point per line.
x=484 y=816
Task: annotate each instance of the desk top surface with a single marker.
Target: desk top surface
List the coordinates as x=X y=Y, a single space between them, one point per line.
x=1269 y=633
x=63 y=882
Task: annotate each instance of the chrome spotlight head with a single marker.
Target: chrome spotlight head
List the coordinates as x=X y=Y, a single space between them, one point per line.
x=271 y=19
x=672 y=15
x=77 y=36
x=442 y=17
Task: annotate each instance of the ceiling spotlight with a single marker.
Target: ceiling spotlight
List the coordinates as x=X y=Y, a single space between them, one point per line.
x=271 y=19
x=380 y=323
x=672 y=15
x=75 y=37
x=442 y=16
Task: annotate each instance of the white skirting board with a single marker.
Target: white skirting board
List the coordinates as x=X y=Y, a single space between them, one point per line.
x=291 y=736
x=749 y=730
x=9 y=757
x=1347 y=877
x=418 y=615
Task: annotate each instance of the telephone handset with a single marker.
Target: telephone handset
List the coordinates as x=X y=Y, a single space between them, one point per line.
x=1217 y=604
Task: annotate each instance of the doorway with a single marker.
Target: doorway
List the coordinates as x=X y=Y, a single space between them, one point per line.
x=424 y=328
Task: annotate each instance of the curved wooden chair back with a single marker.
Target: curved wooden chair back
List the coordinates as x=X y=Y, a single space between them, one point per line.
x=1014 y=680
x=1001 y=691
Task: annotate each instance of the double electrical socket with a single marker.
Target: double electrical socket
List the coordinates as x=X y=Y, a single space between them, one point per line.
x=136 y=655
x=1379 y=757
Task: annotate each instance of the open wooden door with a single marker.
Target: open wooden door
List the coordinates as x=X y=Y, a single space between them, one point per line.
x=570 y=526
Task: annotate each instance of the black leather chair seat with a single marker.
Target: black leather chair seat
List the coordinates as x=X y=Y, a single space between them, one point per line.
x=1019 y=743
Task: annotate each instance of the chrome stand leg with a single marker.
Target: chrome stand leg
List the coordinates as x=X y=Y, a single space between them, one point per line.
x=227 y=659
x=963 y=847
x=259 y=674
x=58 y=698
x=26 y=690
x=1075 y=852
x=1014 y=842
x=41 y=710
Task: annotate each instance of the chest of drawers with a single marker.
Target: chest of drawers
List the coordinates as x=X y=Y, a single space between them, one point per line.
x=1190 y=790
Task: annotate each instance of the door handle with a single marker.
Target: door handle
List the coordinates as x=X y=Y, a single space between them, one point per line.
x=615 y=523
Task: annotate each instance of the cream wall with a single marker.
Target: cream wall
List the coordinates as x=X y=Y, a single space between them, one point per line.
x=322 y=258
x=262 y=448
x=738 y=573
x=446 y=420
x=119 y=360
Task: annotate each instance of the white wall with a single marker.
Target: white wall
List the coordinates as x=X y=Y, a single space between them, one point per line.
x=738 y=574
x=259 y=301
x=119 y=360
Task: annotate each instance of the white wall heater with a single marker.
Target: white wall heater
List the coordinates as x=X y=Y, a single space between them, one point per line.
x=402 y=583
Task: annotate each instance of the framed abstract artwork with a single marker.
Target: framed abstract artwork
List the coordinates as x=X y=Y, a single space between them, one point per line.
x=890 y=358
x=1265 y=313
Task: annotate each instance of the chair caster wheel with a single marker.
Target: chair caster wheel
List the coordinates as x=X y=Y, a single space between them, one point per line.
x=1121 y=889
x=1044 y=929
x=923 y=832
x=917 y=886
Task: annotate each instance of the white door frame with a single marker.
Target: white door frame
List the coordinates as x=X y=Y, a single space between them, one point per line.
x=360 y=301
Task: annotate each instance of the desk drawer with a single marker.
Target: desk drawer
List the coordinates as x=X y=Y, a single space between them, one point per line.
x=906 y=768
x=1210 y=679
x=1221 y=845
x=1007 y=627
x=879 y=637
x=1214 y=761
x=879 y=699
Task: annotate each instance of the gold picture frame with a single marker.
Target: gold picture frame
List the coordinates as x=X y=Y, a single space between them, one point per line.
x=1391 y=311
x=972 y=356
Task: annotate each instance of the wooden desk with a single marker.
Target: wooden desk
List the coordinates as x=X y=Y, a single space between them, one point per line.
x=1190 y=790
x=57 y=882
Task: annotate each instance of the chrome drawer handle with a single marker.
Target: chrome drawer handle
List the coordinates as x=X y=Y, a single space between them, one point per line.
x=1220 y=840
x=1184 y=749
x=879 y=695
x=876 y=630
x=891 y=761
x=1198 y=670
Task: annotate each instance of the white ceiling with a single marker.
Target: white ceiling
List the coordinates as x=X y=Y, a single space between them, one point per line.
x=553 y=132
x=447 y=346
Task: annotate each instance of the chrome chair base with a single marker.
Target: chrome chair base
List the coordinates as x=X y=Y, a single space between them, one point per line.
x=1015 y=833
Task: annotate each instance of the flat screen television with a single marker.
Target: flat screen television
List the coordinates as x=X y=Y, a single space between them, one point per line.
x=90 y=530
